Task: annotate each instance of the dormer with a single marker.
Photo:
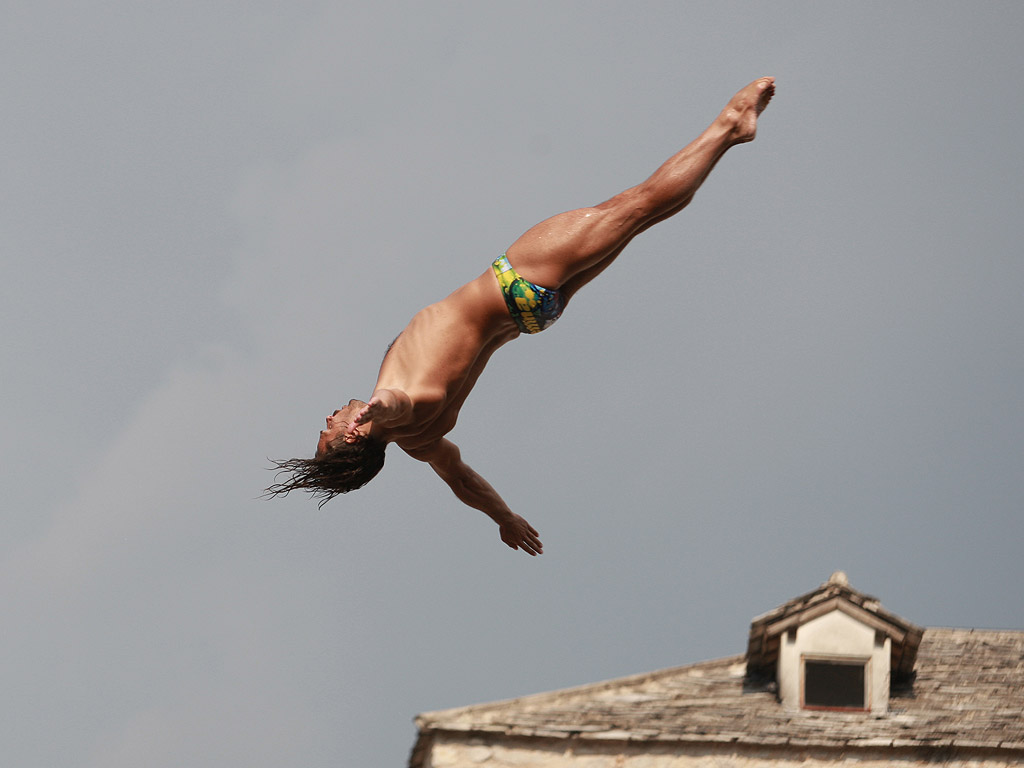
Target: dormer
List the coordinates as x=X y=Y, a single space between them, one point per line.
x=833 y=649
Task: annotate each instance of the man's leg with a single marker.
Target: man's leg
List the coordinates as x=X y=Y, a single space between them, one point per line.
x=570 y=249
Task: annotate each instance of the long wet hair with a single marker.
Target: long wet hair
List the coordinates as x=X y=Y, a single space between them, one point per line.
x=344 y=467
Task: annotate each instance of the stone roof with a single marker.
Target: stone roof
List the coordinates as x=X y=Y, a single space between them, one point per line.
x=968 y=693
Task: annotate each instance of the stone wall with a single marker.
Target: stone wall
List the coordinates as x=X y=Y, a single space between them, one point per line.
x=479 y=754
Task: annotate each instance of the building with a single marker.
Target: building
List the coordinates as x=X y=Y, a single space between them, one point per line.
x=829 y=678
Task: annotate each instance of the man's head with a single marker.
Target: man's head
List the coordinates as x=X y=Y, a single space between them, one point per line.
x=346 y=458
x=339 y=428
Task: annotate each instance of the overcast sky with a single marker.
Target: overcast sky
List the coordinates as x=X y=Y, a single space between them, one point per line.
x=216 y=216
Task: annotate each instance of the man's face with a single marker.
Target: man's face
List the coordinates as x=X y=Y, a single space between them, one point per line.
x=338 y=424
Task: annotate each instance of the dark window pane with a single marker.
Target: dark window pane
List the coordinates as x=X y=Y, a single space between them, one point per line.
x=828 y=684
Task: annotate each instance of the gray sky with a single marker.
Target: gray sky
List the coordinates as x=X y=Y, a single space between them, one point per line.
x=217 y=215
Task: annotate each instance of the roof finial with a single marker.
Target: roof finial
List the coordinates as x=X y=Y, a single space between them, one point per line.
x=839 y=579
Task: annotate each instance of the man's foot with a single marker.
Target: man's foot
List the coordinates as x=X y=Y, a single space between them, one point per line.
x=740 y=114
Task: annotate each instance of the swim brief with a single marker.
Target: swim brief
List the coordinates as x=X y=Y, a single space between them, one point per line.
x=532 y=307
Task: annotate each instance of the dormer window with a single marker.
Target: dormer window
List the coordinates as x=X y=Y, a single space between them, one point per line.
x=835 y=684
x=832 y=649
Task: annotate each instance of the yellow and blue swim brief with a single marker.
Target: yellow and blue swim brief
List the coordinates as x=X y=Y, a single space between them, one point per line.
x=533 y=308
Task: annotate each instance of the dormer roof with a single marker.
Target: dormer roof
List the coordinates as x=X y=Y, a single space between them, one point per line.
x=835 y=594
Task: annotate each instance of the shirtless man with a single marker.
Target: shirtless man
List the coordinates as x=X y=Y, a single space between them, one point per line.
x=432 y=366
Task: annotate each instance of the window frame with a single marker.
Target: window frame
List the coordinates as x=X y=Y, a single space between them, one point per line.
x=864 y=662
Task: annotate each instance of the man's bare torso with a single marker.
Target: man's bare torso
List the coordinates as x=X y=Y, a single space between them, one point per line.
x=439 y=356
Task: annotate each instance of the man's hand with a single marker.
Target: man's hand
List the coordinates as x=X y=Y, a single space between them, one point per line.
x=372 y=411
x=387 y=407
x=516 y=532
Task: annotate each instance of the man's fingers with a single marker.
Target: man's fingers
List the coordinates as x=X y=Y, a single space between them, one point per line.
x=532 y=545
x=523 y=537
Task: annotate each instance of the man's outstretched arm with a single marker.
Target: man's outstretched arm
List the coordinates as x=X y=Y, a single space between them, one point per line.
x=472 y=490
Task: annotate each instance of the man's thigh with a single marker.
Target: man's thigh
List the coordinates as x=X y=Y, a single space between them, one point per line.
x=565 y=246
